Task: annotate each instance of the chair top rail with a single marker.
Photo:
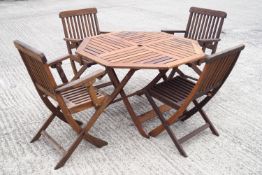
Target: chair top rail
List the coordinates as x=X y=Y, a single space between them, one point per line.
x=77 y=12
x=208 y=12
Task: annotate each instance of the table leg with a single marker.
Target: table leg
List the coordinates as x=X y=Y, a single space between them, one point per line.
x=116 y=83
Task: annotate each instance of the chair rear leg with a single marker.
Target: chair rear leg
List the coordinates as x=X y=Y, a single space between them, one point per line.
x=44 y=126
x=211 y=126
x=80 y=72
x=164 y=77
x=205 y=117
x=166 y=126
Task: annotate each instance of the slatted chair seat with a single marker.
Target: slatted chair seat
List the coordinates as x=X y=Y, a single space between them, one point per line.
x=78 y=98
x=173 y=91
x=179 y=92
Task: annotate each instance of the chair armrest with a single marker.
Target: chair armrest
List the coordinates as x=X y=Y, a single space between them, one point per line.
x=58 y=60
x=207 y=41
x=87 y=80
x=73 y=40
x=173 y=31
x=104 y=32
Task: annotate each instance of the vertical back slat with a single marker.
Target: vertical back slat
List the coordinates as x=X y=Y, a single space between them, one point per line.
x=93 y=24
x=204 y=29
x=80 y=25
x=201 y=26
x=195 y=25
x=68 y=29
x=97 y=25
x=189 y=23
x=83 y=26
x=76 y=26
x=198 y=31
x=87 y=25
x=73 y=28
x=211 y=27
x=90 y=25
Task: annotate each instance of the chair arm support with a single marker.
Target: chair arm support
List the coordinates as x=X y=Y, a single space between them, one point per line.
x=173 y=31
x=58 y=60
x=87 y=80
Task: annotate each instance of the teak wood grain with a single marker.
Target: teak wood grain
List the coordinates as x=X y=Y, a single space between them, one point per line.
x=140 y=50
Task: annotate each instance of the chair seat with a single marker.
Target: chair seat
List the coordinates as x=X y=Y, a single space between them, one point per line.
x=172 y=92
x=78 y=98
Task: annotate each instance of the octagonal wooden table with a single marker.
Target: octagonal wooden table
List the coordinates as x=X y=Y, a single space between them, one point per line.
x=135 y=51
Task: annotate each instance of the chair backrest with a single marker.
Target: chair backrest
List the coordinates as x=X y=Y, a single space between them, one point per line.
x=204 y=23
x=37 y=68
x=218 y=67
x=78 y=24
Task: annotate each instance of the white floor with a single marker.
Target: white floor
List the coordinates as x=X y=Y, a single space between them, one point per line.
x=236 y=110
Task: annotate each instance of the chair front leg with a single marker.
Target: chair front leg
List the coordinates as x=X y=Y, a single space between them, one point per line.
x=166 y=126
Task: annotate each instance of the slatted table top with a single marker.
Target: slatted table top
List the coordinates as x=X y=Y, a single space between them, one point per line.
x=140 y=50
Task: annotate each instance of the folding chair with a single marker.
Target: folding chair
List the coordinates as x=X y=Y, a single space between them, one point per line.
x=179 y=92
x=205 y=26
x=71 y=97
x=77 y=25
